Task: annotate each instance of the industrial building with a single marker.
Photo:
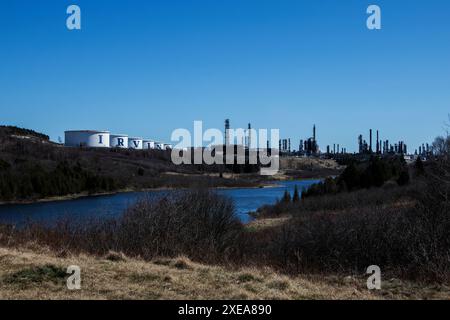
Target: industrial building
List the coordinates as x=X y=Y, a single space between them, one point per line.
x=382 y=147
x=306 y=147
x=309 y=146
x=246 y=139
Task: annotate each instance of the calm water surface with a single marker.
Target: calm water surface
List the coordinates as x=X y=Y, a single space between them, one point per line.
x=111 y=206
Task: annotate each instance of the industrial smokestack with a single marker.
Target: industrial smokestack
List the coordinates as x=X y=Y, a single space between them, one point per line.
x=378 y=142
x=249 y=141
x=227 y=131
x=314 y=133
x=370 y=144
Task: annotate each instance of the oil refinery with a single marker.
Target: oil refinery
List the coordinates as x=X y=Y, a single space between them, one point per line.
x=104 y=139
x=307 y=147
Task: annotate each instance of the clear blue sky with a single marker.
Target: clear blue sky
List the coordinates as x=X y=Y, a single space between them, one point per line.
x=148 y=67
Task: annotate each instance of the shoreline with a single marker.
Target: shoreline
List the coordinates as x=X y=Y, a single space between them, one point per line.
x=99 y=194
x=262 y=184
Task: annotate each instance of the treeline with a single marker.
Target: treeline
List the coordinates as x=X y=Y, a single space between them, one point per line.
x=32 y=167
x=363 y=175
x=31 y=180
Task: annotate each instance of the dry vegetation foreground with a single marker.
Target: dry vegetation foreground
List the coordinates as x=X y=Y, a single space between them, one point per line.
x=38 y=274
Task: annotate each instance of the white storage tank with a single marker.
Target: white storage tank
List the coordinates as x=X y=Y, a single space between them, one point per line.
x=87 y=138
x=148 y=144
x=159 y=145
x=135 y=143
x=118 y=141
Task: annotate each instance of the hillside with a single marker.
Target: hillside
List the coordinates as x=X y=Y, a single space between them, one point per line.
x=308 y=168
x=32 y=167
x=11 y=131
x=38 y=274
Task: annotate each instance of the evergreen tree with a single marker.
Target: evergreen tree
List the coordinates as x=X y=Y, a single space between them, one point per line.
x=296 y=197
x=351 y=176
x=403 y=178
x=286 y=197
x=418 y=167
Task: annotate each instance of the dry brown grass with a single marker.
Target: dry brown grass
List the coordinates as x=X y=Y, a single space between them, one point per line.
x=178 y=278
x=265 y=223
x=307 y=168
x=301 y=163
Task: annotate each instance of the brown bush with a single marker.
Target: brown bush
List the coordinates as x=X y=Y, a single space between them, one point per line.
x=404 y=230
x=199 y=224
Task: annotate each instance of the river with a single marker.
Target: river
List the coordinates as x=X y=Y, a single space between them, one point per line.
x=112 y=206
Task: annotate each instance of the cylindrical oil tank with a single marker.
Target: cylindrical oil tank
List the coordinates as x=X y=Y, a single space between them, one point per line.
x=159 y=145
x=148 y=144
x=135 y=143
x=118 y=141
x=87 y=138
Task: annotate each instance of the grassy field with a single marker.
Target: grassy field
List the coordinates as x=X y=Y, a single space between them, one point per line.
x=36 y=273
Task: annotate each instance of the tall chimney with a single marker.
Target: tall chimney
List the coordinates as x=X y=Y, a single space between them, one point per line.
x=370 y=145
x=227 y=131
x=378 y=142
x=249 y=141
